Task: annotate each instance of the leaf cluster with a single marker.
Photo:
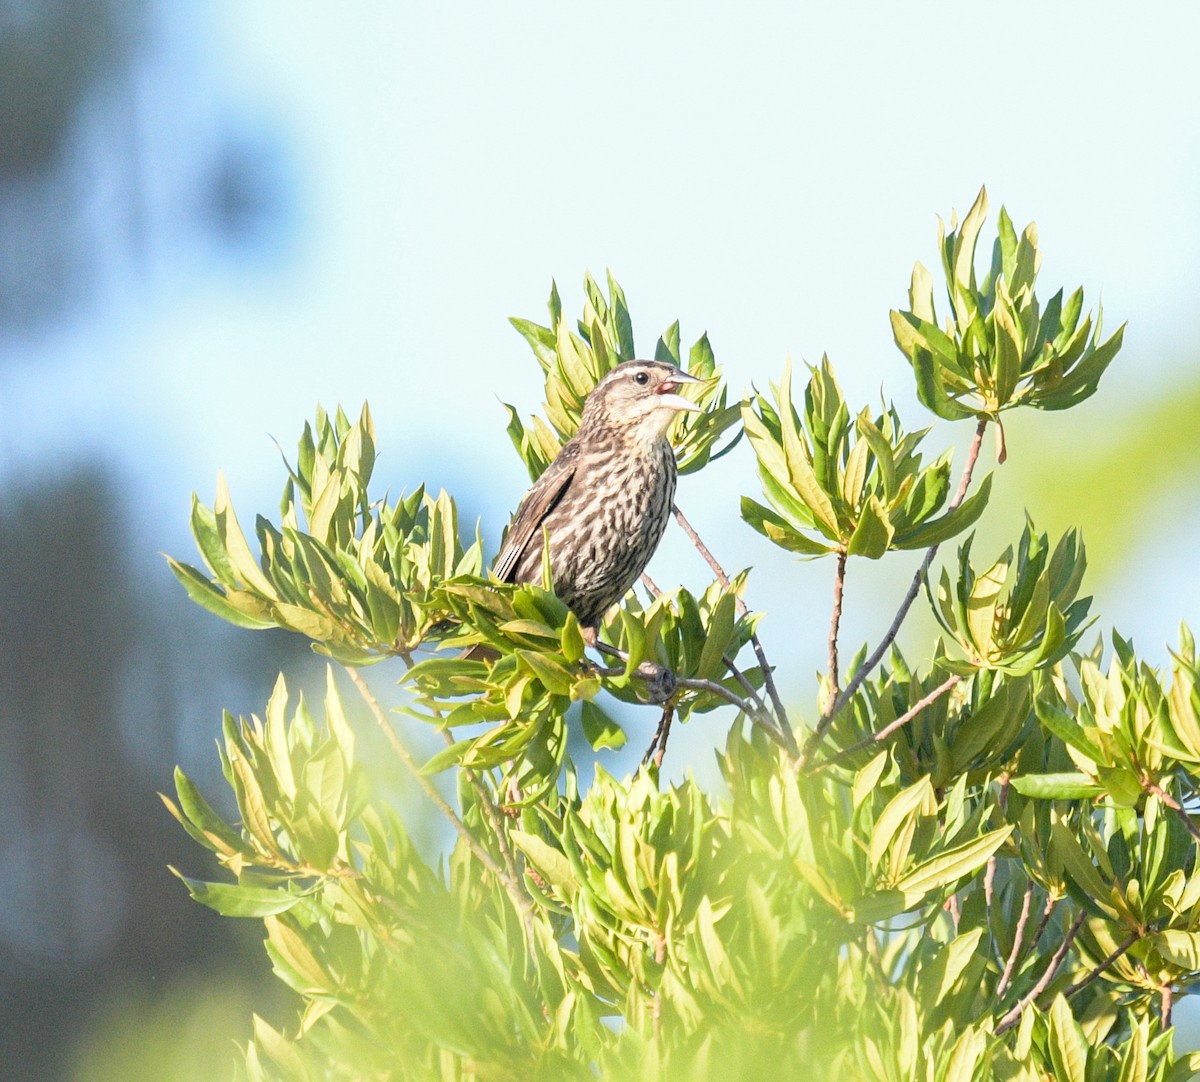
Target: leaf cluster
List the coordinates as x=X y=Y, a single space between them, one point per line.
x=574 y=361
x=359 y=578
x=836 y=485
x=1015 y=617
x=998 y=348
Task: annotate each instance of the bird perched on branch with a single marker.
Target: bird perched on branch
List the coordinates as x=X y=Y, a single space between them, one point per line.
x=605 y=499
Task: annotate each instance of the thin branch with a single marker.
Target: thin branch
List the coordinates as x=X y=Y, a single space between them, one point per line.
x=1095 y=972
x=1167 y=994
x=954 y=908
x=658 y=746
x=1047 y=913
x=1018 y=937
x=887 y=730
x=1014 y=1015
x=513 y=886
x=768 y=678
x=1175 y=806
x=746 y=686
x=492 y=814
x=835 y=619
x=869 y=665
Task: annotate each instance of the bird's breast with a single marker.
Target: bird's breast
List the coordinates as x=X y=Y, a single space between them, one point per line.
x=610 y=521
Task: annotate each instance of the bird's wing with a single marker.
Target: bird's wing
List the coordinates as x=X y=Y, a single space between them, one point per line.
x=539 y=501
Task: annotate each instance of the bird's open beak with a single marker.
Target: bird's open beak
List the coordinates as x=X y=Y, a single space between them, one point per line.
x=668 y=397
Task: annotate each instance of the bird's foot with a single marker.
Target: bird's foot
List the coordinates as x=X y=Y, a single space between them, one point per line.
x=660 y=683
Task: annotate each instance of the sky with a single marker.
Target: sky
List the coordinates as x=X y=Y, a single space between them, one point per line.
x=765 y=172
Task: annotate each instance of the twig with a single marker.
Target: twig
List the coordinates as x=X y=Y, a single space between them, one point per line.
x=513 y=886
x=1167 y=994
x=492 y=814
x=746 y=686
x=864 y=670
x=1175 y=806
x=954 y=908
x=887 y=730
x=1095 y=972
x=658 y=746
x=1018 y=936
x=1013 y=1016
x=1047 y=913
x=835 y=619
x=781 y=717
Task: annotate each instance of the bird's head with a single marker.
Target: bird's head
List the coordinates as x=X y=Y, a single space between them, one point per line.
x=641 y=396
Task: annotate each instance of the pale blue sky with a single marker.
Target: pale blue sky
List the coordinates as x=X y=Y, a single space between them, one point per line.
x=767 y=172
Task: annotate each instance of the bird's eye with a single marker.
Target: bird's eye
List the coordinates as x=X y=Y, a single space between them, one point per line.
x=642 y=378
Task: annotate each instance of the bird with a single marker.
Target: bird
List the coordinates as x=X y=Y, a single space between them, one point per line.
x=604 y=502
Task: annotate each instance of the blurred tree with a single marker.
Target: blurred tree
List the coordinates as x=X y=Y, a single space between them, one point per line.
x=83 y=841
x=52 y=53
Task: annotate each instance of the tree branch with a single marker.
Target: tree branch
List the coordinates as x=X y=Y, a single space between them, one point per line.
x=1014 y=1015
x=887 y=730
x=864 y=670
x=658 y=746
x=1095 y=972
x=511 y=885
x=835 y=619
x=781 y=717
x=1175 y=806
x=1018 y=937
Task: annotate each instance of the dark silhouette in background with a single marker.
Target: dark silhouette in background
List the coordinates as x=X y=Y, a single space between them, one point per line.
x=106 y=671
x=88 y=904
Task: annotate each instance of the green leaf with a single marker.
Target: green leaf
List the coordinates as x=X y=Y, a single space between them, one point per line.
x=953 y=864
x=201 y=814
x=799 y=467
x=551 y=864
x=571 y=639
x=937 y=530
x=719 y=635
x=873 y=535
x=208 y=596
x=1070 y=786
x=552 y=673
x=931 y=389
x=775 y=529
x=601 y=731
x=231 y=900
x=1135 y=1060
x=1068 y=1049
x=1065 y=847
x=1179 y=947
x=900 y=808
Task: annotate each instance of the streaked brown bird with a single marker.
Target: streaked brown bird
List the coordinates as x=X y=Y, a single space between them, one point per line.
x=606 y=498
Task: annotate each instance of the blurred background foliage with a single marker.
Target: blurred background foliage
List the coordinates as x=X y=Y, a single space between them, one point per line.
x=212 y=218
